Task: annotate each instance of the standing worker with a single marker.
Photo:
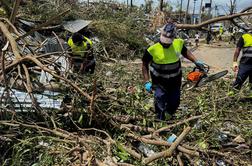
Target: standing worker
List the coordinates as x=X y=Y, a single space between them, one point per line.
x=197 y=39
x=245 y=65
x=208 y=37
x=163 y=62
x=81 y=58
x=220 y=33
x=232 y=36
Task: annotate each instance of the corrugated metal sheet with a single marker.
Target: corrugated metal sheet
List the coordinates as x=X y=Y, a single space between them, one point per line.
x=52 y=45
x=22 y=100
x=76 y=25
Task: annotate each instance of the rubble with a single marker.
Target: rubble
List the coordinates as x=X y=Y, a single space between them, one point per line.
x=106 y=118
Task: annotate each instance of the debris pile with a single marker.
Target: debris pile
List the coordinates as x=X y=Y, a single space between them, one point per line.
x=107 y=118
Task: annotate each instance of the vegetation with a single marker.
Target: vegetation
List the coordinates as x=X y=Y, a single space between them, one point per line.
x=110 y=119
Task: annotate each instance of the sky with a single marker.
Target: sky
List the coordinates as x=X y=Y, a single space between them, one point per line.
x=221 y=4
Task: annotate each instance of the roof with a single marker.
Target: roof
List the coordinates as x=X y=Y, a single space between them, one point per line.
x=28 y=23
x=76 y=25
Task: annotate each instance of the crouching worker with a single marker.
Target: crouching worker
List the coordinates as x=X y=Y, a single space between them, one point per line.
x=81 y=57
x=163 y=61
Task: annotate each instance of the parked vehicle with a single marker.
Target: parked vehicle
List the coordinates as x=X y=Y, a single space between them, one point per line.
x=216 y=27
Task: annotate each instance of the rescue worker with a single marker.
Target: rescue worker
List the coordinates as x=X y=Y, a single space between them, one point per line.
x=82 y=59
x=232 y=36
x=245 y=65
x=163 y=61
x=208 y=37
x=197 y=39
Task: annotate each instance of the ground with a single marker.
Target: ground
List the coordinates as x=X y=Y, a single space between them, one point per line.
x=218 y=57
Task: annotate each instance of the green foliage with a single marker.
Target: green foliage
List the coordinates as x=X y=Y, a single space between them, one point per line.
x=121 y=152
x=38 y=150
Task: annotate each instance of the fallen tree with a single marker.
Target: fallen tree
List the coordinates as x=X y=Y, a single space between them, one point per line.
x=110 y=119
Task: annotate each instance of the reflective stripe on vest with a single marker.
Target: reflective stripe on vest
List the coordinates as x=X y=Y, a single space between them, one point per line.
x=166 y=62
x=247 y=47
x=79 y=50
x=166 y=76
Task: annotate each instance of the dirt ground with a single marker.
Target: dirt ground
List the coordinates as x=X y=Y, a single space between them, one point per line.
x=219 y=56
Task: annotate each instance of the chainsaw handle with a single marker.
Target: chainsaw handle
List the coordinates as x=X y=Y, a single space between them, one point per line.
x=206 y=68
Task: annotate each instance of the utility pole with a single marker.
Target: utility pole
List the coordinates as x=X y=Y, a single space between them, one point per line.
x=210 y=10
x=187 y=9
x=193 y=15
x=200 y=11
x=180 y=11
x=216 y=10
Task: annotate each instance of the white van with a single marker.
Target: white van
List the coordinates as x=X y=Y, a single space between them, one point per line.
x=216 y=27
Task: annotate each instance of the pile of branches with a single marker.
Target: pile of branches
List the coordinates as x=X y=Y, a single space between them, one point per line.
x=110 y=119
x=211 y=128
x=121 y=30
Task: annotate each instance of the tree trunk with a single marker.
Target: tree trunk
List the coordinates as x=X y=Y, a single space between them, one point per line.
x=200 y=12
x=187 y=9
x=180 y=11
x=210 y=10
x=14 y=11
x=161 y=5
x=232 y=6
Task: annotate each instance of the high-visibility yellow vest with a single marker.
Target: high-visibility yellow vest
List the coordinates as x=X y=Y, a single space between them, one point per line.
x=163 y=55
x=247 y=47
x=221 y=30
x=166 y=61
x=79 y=49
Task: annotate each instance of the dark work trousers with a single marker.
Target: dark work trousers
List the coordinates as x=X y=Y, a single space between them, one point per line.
x=88 y=65
x=166 y=101
x=244 y=72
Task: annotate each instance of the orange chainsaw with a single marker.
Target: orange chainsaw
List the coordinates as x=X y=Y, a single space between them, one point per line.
x=199 y=77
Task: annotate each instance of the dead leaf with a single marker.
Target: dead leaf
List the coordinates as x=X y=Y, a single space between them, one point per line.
x=239 y=139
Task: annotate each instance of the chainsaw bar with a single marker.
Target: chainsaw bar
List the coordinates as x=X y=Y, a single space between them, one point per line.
x=212 y=77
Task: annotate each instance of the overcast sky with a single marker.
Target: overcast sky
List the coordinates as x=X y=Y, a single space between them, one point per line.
x=221 y=4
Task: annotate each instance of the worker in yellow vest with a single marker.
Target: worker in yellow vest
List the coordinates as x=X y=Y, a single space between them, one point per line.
x=244 y=68
x=163 y=61
x=82 y=59
x=220 y=33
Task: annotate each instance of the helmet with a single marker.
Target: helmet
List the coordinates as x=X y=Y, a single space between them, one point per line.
x=168 y=33
x=169 y=30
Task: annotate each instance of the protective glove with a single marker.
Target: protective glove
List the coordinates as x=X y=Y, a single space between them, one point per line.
x=235 y=66
x=200 y=64
x=148 y=86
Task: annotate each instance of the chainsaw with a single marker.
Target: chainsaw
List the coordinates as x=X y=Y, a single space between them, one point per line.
x=199 y=77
